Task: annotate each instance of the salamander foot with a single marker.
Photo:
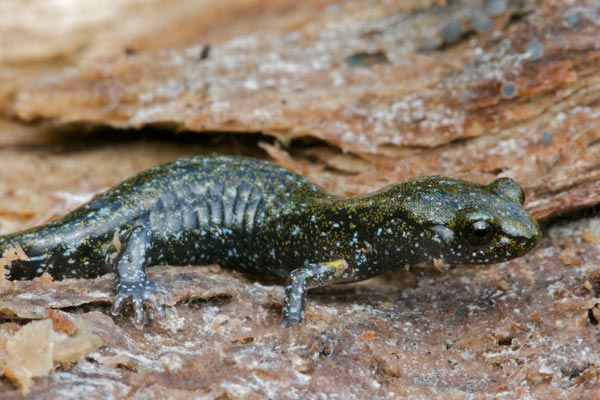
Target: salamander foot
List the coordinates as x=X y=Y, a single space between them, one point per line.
x=149 y=292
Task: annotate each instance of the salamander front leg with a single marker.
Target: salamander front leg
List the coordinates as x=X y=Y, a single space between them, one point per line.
x=302 y=279
x=132 y=282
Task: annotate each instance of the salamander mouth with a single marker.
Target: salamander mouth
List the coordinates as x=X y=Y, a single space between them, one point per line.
x=496 y=251
x=508 y=248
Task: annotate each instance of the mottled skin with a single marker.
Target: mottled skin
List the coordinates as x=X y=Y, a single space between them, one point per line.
x=255 y=216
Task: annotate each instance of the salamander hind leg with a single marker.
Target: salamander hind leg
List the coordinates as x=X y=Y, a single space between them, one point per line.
x=302 y=279
x=132 y=283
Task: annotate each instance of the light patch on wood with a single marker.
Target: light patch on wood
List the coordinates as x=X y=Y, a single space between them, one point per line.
x=31 y=351
x=440 y=264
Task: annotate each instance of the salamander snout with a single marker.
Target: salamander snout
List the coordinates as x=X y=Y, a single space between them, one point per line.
x=522 y=233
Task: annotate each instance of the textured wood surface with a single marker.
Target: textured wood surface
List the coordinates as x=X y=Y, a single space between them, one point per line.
x=355 y=95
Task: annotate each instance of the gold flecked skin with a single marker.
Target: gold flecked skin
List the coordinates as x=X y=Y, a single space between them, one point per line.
x=255 y=216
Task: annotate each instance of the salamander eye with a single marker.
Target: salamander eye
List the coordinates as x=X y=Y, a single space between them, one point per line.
x=477 y=227
x=480 y=232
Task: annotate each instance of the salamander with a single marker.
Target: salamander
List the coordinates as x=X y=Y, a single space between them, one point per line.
x=257 y=217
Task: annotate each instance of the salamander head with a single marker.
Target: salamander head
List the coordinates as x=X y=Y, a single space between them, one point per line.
x=468 y=223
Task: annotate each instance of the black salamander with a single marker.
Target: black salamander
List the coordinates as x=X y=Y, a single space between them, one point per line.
x=255 y=216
